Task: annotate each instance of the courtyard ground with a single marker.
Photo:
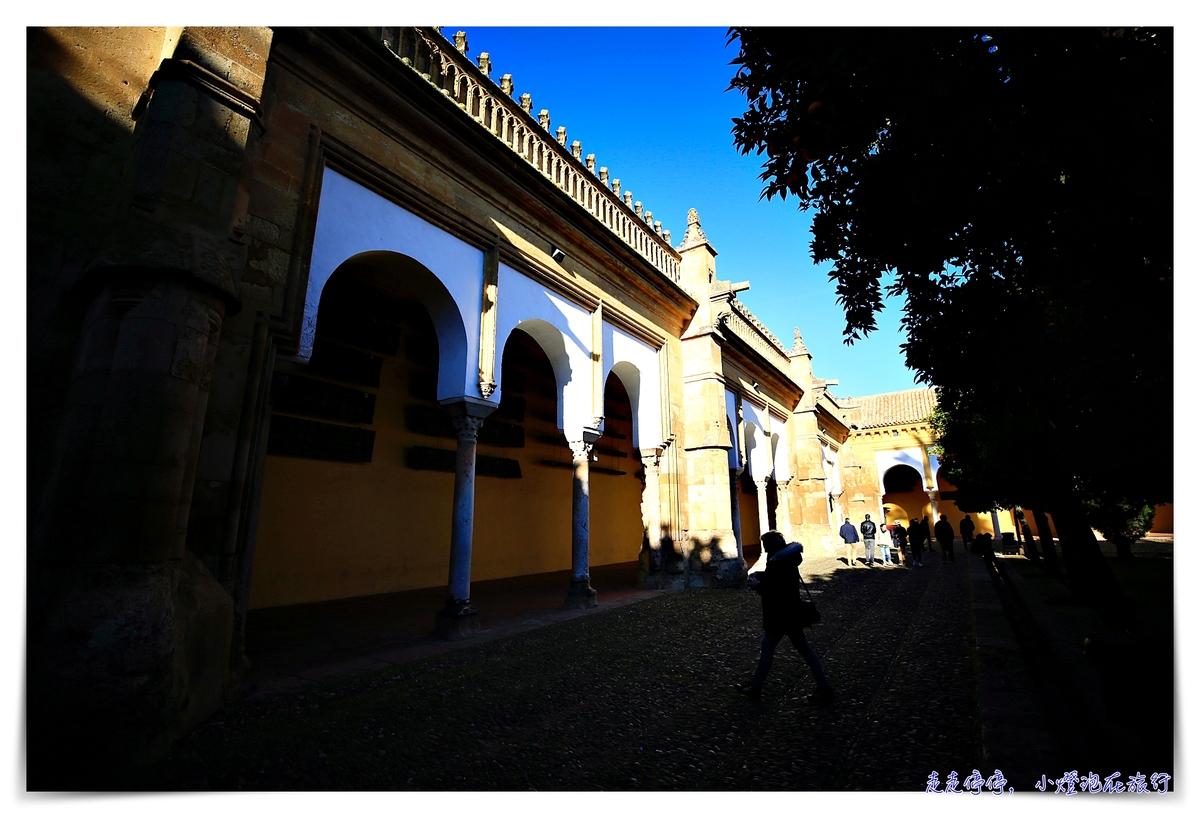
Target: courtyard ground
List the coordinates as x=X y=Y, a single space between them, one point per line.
x=942 y=668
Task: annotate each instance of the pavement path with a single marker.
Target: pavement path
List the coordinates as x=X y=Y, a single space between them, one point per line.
x=638 y=697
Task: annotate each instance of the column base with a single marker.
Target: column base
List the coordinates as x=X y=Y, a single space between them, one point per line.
x=455 y=622
x=581 y=594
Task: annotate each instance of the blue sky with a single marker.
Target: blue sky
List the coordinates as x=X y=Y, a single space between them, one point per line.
x=651 y=104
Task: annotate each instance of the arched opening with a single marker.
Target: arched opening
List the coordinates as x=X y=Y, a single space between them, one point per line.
x=616 y=478
x=358 y=479
x=523 y=526
x=904 y=492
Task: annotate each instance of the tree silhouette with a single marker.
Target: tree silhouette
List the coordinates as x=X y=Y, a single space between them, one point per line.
x=1013 y=187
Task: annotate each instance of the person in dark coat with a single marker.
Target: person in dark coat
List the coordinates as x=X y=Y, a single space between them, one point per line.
x=926 y=536
x=918 y=542
x=945 y=537
x=849 y=535
x=869 y=530
x=967 y=529
x=900 y=536
x=779 y=587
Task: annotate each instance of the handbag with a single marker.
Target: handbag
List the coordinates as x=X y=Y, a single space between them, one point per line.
x=808 y=613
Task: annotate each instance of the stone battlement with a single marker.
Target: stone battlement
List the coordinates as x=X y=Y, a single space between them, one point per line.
x=446 y=66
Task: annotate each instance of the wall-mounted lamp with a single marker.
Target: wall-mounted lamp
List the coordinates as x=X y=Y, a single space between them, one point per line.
x=557 y=254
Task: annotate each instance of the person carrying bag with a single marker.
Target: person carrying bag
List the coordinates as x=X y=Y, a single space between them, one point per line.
x=785 y=614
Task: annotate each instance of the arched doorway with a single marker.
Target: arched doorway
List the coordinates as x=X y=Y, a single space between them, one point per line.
x=523 y=525
x=616 y=483
x=356 y=490
x=904 y=493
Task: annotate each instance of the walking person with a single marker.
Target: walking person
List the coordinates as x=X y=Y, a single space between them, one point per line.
x=945 y=537
x=967 y=529
x=849 y=535
x=779 y=587
x=868 y=529
x=914 y=536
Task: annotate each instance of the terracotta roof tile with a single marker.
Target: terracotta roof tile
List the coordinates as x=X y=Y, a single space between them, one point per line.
x=890 y=408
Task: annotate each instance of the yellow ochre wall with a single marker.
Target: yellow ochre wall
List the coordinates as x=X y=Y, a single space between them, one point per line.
x=335 y=530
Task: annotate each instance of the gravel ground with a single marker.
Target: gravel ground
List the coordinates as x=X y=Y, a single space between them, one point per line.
x=636 y=698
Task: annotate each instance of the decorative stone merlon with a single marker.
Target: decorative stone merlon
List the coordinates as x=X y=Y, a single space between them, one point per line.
x=649 y=218
x=658 y=228
x=561 y=134
x=443 y=63
x=591 y=163
x=616 y=186
x=629 y=199
x=694 y=237
x=666 y=234
x=576 y=148
x=798 y=347
x=637 y=208
x=604 y=177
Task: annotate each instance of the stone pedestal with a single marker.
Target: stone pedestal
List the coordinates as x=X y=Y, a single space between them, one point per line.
x=456 y=625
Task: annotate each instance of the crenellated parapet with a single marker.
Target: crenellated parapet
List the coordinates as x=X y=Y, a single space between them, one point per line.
x=739 y=321
x=445 y=65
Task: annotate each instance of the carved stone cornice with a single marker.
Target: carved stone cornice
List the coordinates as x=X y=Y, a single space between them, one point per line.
x=217 y=87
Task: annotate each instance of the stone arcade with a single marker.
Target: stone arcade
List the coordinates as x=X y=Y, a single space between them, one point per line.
x=317 y=314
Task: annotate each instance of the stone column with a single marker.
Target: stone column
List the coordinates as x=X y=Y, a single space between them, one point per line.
x=933 y=506
x=783 y=511
x=652 y=570
x=735 y=510
x=764 y=517
x=764 y=525
x=458 y=620
x=581 y=594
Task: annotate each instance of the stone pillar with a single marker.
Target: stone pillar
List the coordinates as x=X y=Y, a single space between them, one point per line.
x=129 y=632
x=764 y=525
x=458 y=620
x=783 y=511
x=651 y=569
x=933 y=506
x=764 y=519
x=580 y=594
x=735 y=510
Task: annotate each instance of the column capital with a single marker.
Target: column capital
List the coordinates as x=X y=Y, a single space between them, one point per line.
x=581 y=449
x=651 y=458
x=467 y=426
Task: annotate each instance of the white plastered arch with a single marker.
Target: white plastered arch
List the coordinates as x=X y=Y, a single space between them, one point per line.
x=758 y=441
x=780 y=459
x=353 y=221
x=563 y=330
x=636 y=364
x=900 y=457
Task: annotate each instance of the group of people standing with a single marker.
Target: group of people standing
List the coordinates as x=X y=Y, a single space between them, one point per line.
x=917 y=535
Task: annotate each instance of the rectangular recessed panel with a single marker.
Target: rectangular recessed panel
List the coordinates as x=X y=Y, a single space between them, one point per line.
x=429 y=459
x=342 y=364
x=298 y=395
x=297 y=437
